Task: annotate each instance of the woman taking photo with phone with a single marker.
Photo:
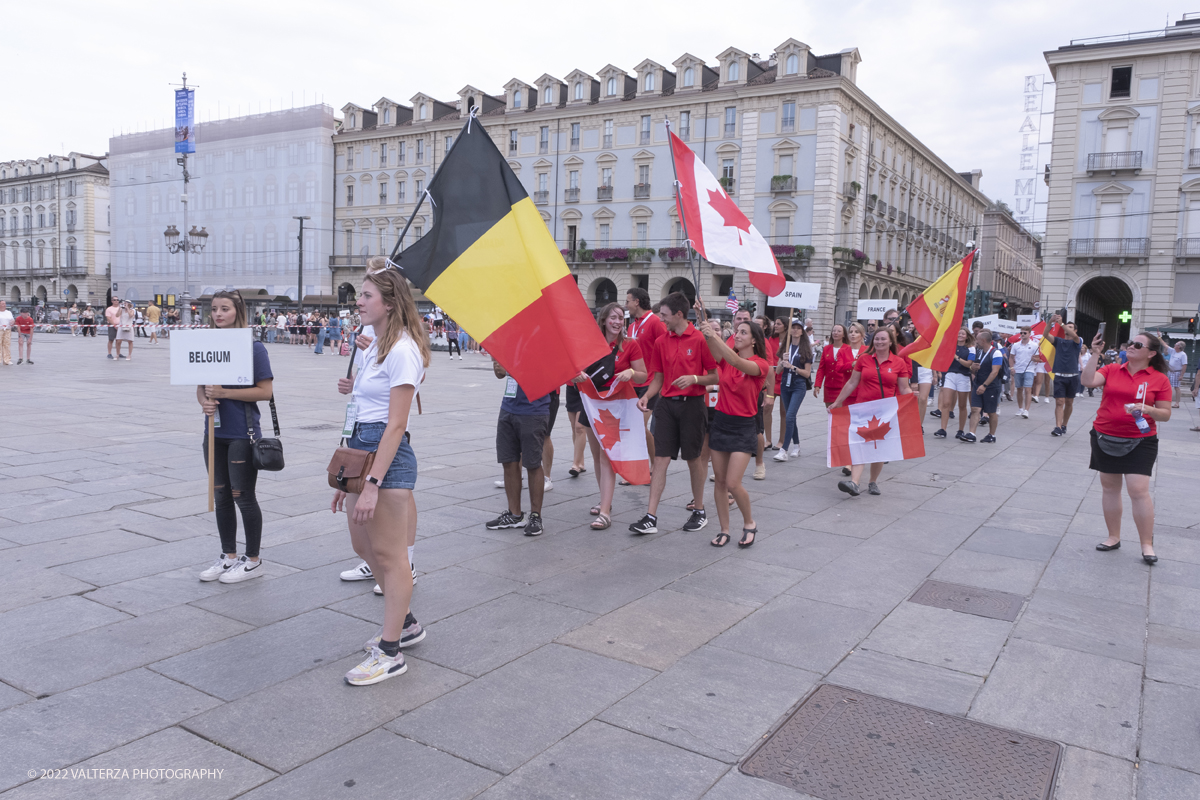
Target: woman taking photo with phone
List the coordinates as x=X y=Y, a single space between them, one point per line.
x=733 y=436
x=1137 y=396
x=794 y=369
x=393 y=366
x=234 y=475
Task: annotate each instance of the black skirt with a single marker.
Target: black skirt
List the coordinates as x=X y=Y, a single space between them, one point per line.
x=1138 y=461
x=729 y=434
x=574 y=402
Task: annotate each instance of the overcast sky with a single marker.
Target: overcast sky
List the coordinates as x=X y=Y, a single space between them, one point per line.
x=950 y=72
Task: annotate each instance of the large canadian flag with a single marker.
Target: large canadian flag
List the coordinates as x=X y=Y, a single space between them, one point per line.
x=718 y=229
x=878 y=430
x=620 y=428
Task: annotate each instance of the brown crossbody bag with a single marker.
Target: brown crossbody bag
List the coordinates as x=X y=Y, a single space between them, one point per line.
x=349 y=468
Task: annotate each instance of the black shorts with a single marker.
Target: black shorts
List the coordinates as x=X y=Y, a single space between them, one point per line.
x=574 y=402
x=679 y=426
x=1068 y=386
x=759 y=421
x=641 y=392
x=112 y=333
x=989 y=401
x=520 y=438
x=730 y=434
x=553 y=412
x=1138 y=461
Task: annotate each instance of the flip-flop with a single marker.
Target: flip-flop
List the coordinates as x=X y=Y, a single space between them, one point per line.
x=601 y=522
x=752 y=533
x=721 y=540
x=595 y=511
x=574 y=473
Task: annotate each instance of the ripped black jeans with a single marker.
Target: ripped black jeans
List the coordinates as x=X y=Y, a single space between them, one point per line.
x=234 y=479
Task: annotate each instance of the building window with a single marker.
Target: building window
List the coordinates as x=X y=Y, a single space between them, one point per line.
x=420 y=151
x=449 y=143
x=730 y=120
x=400 y=155
x=400 y=187
x=423 y=111
x=676 y=233
x=1122 y=79
x=542 y=179
x=383 y=155
x=649 y=81
x=544 y=139
x=792 y=65
x=310 y=191
x=645 y=129
x=574 y=135
x=789 y=117
x=608 y=134
x=353 y=120
x=612 y=86
x=734 y=71
x=726 y=170
x=516 y=98
x=349 y=241
x=549 y=95
x=350 y=194
x=573 y=179
x=247 y=196
x=689 y=77
x=643 y=174
x=387 y=116
x=383 y=193
x=420 y=187
x=418 y=231
x=641 y=234
x=605 y=234
x=606 y=176
x=578 y=90
x=349 y=158
x=512 y=142
x=685 y=124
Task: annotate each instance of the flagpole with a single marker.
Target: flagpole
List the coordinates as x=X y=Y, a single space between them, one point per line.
x=407 y=225
x=679 y=209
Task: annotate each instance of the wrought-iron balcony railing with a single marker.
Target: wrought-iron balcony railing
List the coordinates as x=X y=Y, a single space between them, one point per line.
x=1114 y=162
x=641 y=191
x=1108 y=247
x=604 y=192
x=571 y=196
x=1187 y=248
x=541 y=198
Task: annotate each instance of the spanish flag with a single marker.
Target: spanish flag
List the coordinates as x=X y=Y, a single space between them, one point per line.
x=490 y=263
x=938 y=315
x=1046 y=348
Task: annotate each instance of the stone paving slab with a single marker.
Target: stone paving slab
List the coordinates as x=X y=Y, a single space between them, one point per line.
x=906 y=681
x=950 y=639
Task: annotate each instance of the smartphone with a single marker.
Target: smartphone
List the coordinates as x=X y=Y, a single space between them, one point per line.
x=1100 y=332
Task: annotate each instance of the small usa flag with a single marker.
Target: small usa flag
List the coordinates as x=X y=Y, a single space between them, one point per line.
x=731 y=303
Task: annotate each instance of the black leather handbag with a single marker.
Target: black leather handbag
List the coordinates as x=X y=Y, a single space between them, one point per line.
x=267 y=454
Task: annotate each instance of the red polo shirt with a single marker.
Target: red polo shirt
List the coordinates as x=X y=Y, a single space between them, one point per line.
x=879 y=379
x=738 y=396
x=646 y=331
x=686 y=354
x=1120 y=387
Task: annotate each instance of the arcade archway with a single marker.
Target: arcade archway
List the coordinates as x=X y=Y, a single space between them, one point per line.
x=1104 y=299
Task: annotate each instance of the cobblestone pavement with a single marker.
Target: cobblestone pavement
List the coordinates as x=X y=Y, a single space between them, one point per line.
x=581 y=663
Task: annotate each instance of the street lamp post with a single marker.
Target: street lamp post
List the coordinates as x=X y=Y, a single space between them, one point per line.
x=192 y=242
x=300 y=272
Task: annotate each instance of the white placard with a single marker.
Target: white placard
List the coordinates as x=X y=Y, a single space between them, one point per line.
x=1027 y=319
x=798 y=295
x=212 y=357
x=875 y=309
x=987 y=321
x=1005 y=326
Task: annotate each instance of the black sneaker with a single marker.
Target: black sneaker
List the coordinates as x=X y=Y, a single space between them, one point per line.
x=937 y=412
x=951 y=415
x=534 y=526
x=940 y=433
x=412 y=633
x=647 y=524
x=845 y=470
x=506 y=520
x=969 y=437
x=849 y=487
x=696 y=521
x=959 y=435
x=1057 y=432
x=984 y=419
x=989 y=439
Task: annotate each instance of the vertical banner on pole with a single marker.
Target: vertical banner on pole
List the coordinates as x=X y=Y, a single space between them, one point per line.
x=185 y=128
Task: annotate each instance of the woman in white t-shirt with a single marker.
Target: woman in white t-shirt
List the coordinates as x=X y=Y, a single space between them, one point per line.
x=393 y=367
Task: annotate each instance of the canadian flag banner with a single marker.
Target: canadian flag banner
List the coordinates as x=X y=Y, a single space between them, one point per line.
x=620 y=428
x=878 y=430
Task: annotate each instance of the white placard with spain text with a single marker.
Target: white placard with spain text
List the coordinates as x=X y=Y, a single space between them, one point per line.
x=798 y=295
x=875 y=309
x=212 y=357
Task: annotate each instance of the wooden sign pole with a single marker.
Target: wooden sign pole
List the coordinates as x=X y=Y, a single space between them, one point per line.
x=212 y=446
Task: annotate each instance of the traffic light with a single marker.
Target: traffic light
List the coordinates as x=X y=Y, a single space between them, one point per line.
x=1191 y=324
x=1004 y=309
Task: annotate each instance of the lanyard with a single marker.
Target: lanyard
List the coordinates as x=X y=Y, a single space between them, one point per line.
x=637 y=325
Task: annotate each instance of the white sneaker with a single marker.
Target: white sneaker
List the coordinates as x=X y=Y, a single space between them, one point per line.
x=1017 y=413
x=794 y=451
x=244 y=570
x=1025 y=413
x=360 y=573
x=781 y=456
x=377 y=590
x=1035 y=400
x=378 y=667
x=219 y=568
x=548 y=486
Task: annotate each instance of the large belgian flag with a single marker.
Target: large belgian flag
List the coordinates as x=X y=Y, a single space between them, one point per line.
x=492 y=266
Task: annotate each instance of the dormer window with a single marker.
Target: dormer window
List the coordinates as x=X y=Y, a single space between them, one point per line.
x=612 y=86
x=689 y=77
x=516 y=98
x=792 y=65
x=578 y=90
x=387 y=116
x=549 y=95
x=354 y=120
x=734 y=71
x=424 y=111
x=649 y=81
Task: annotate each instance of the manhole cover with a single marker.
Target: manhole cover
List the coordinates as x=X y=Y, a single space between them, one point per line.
x=846 y=745
x=325 y=427
x=969 y=600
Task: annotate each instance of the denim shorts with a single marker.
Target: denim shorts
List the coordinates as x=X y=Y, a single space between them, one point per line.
x=402 y=474
x=1024 y=380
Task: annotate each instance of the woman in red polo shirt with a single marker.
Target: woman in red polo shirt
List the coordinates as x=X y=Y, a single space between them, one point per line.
x=1124 y=435
x=878 y=373
x=829 y=376
x=733 y=435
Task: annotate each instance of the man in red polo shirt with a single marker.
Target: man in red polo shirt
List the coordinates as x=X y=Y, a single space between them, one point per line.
x=646 y=327
x=682 y=366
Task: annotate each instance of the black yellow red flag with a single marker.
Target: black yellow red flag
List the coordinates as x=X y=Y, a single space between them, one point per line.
x=490 y=263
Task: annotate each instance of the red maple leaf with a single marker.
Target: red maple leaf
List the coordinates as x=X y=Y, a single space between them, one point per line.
x=607 y=429
x=874 y=431
x=730 y=213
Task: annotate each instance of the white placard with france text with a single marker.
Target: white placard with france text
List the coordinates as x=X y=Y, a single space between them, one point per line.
x=875 y=309
x=212 y=357
x=798 y=295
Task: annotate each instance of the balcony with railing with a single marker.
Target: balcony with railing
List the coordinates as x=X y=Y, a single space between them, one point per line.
x=783 y=183
x=891 y=213
x=788 y=125
x=512 y=148
x=1113 y=248
x=881 y=208
x=1130 y=160
x=348 y=261
x=604 y=193
x=730 y=130
x=645 y=137
x=685 y=132
x=849 y=189
x=641 y=191
x=571 y=196
x=1187 y=248
x=574 y=144
x=541 y=197
x=727 y=184
x=1193 y=159
x=543 y=147
x=903 y=220
x=608 y=141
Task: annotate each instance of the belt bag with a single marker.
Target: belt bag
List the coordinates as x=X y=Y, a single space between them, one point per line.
x=1115 y=445
x=267 y=454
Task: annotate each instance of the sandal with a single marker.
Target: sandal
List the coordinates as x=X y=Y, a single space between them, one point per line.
x=747 y=532
x=691 y=506
x=595 y=511
x=601 y=522
x=574 y=473
x=721 y=540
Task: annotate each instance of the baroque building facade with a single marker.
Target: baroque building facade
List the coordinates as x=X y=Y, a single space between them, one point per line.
x=846 y=196
x=1123 y=232
x=54 y=230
